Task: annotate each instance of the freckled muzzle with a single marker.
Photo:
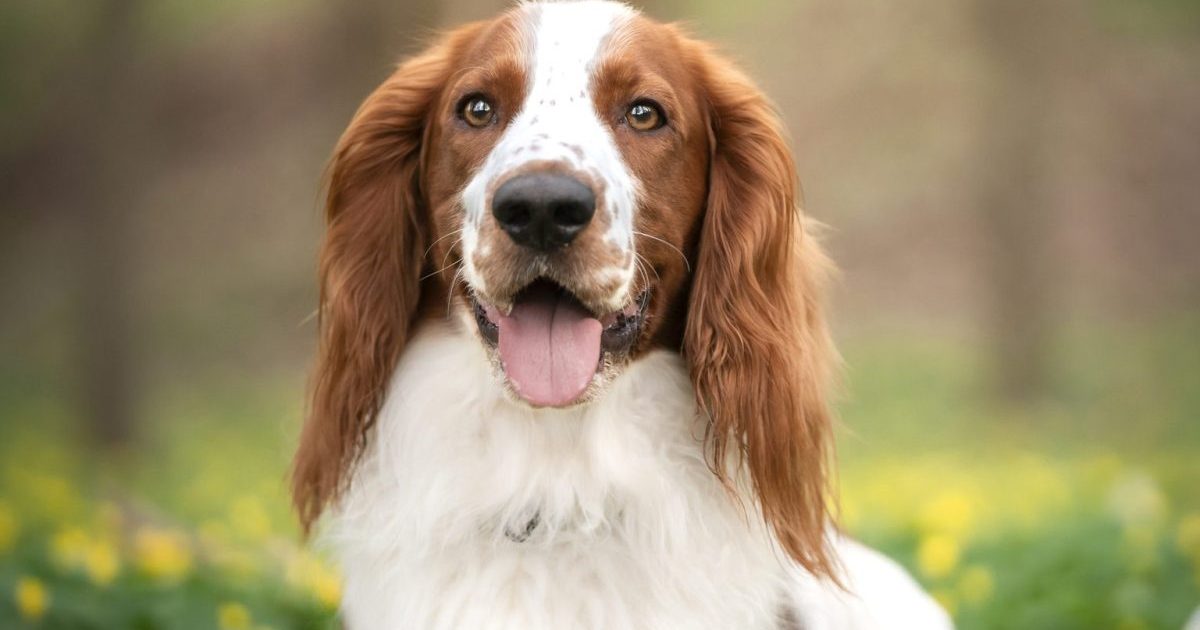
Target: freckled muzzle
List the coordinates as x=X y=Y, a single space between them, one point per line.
x=548 y=220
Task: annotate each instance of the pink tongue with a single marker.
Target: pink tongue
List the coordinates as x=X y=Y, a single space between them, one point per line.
x=550 y=347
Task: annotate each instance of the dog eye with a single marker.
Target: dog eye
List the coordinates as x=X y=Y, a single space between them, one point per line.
x=477 y=112
x=645 y=116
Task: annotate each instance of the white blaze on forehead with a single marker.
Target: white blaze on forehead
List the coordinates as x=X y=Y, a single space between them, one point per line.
x=558 y=122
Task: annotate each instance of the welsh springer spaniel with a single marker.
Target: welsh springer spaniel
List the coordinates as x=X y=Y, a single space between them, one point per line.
x=572 y=362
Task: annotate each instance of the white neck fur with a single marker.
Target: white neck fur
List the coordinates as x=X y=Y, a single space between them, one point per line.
x=632 y=528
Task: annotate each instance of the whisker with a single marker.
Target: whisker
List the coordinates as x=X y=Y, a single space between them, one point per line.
x=440 y=239
x=450 y=291
x=434 y=273
x=641 y=260
x=677 y=250
x=444 y=265
x=451 y=249
x=641 y=264
x=308 y=318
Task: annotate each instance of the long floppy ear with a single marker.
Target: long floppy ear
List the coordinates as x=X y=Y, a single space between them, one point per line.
x=757 y=346
x=370 y=265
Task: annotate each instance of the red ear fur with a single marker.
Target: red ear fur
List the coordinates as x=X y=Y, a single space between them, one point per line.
x=370 y=267
x=759 y=353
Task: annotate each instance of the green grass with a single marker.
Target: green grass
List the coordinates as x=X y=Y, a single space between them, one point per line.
x=1081 y=510
x=192 y=531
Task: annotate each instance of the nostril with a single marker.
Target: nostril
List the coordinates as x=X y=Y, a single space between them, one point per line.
x=516 y=214
x=571 y=214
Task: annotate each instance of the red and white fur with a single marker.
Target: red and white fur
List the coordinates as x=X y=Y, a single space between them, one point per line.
x=627 y=429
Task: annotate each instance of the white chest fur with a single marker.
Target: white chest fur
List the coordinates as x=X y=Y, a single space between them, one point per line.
x=632 y=529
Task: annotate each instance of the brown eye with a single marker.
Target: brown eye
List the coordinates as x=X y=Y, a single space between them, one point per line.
x=478 y=112
x=644 y=116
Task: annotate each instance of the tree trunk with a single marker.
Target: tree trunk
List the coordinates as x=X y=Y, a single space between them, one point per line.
x=102 y=168
x=1019 y=47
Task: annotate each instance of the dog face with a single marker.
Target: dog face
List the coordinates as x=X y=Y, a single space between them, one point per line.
x=576 y=185
x=566 y=172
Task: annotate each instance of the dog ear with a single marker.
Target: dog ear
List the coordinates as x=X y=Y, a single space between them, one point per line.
x=758 y=350
x=370 y=266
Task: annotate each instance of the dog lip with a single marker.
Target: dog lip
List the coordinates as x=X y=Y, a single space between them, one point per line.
x=487 y=318
x=626 y=325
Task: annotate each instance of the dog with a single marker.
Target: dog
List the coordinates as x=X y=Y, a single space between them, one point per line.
x=573 y=366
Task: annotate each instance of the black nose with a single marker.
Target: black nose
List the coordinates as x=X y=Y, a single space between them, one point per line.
x=543 y=211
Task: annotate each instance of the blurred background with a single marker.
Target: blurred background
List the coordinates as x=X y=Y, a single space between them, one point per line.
x=1011 y=190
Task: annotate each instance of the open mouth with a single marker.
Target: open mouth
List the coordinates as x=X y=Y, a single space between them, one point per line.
x=551 y=345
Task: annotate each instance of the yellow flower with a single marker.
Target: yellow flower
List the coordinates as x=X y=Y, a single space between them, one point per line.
x=69 y=547
x=162 y=554
x=9 y=527
x=233 y=616
x=101 y=563
x=31 y=598
x=308 y=573
x=937 y=555
x=1188 y=536
x=72 y=548
x=949 y=513
x=327 y=588
x=976 y=585
x=850 y=512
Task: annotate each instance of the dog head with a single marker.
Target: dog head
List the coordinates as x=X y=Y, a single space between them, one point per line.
x=575 y=185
